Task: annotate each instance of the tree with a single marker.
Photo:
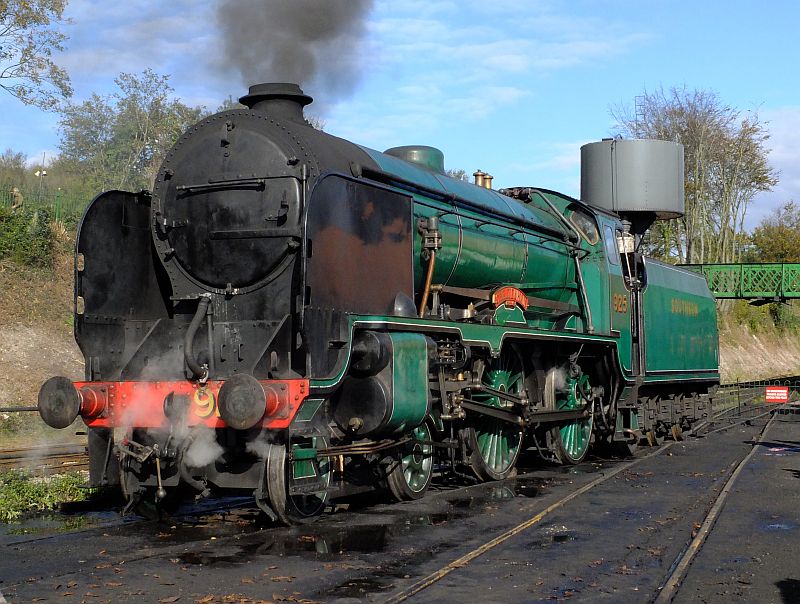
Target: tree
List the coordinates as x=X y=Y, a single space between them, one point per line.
x=119 y=141
x=28 y=39
x=777 y=238
x=725 y=165
x=12 y=169
x=458 y=174
x=229 y=104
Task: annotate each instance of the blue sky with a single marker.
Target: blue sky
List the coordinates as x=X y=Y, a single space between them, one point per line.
x=513 y=87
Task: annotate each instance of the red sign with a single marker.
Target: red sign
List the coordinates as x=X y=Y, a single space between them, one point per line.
x=777 y=394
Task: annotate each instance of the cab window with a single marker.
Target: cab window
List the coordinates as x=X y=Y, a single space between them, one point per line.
x=611 y=244
x=586 y=226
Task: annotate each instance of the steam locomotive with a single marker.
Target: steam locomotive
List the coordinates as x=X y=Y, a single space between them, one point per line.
x=295 y=316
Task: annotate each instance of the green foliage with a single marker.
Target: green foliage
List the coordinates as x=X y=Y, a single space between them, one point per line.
x=755 y=318
x=229 y=104
x=118 y=142
x=777 y=238
x=784 y=317
x=29 y=35
x=12 y=169
x=26 y=237
x=21 y=493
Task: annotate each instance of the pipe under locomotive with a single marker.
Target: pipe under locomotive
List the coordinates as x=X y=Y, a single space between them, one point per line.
x=296 y=316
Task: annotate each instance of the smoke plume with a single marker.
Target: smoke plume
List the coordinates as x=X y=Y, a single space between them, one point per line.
x=315 y=43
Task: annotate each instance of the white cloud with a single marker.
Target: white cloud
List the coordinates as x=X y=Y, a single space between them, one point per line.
x=784 y=124
x=107 y=39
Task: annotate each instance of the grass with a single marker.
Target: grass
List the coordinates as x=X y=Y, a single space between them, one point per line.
x=22 y=493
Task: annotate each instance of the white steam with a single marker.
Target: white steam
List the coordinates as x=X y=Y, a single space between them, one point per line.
x=203 y=449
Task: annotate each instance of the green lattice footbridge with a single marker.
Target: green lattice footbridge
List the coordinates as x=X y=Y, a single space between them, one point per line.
x=761 y=282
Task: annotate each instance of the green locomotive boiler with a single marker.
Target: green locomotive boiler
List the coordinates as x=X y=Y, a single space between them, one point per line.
x=298 y=317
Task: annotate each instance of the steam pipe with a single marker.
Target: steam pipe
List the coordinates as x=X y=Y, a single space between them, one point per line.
x=428 y=279
x=198 y=370
x=584 y=296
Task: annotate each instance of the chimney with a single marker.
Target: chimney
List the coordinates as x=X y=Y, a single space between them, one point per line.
x=283 y=100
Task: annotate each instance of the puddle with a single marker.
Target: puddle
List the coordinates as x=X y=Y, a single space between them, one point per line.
x=740 y=560
x=54 y=524
x=564 y=537
x=779 y=526
x=358 y=588
x=553 y=535
x=319 y=543
x=222 y=557
x=781 y=451
x=534 y=486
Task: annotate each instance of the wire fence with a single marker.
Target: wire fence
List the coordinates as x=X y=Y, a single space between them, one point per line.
x=740 y=395
x=61 y=206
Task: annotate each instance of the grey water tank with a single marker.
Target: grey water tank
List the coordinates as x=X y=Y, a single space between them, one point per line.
x=641 y=180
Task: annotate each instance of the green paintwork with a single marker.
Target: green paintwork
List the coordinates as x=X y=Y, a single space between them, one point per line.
x=417 y=465
x=305 y=463
x=627 y=419
x=480 y=251
x=620 y=320
x=773 y=281
x=575 y=437
x=509 y=316
x=489 y=336
x=308 y=409
x=680 y=330
x=299 y=453
x=409 y=381
x=499 y=441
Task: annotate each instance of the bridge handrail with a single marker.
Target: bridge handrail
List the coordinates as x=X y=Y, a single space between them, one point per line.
x=768 y=280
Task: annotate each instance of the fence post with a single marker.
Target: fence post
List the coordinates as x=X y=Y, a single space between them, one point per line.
x=57 y=206
x=738 y=398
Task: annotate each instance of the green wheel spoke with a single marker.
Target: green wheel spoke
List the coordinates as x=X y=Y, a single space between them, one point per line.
x=571 y=440
x=411 y=471
x=496 y=444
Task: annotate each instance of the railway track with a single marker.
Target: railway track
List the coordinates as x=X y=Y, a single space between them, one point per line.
x=670 y=584
x=236 y=536
x=45 y=460
x=669 y=588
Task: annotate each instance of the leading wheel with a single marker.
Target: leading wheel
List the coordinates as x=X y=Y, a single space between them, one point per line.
x=298 y=487
x=570 y=441
x=494 y=443
x=410 y=471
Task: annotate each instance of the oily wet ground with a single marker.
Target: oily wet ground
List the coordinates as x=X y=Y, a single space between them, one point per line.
x=216 y=517
x=356 y=549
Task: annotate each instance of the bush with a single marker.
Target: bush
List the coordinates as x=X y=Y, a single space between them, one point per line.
x=783 y=317
x=21 y=493
x=26 y=237
x=754 y=317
